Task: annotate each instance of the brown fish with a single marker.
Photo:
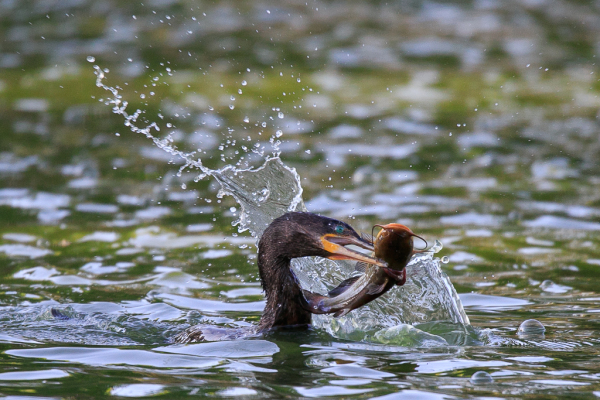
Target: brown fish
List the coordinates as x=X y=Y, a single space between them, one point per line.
x=394 y=245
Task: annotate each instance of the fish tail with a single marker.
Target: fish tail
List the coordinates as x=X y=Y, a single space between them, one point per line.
x=402 y=279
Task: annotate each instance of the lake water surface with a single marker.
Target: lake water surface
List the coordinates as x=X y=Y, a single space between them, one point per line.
x=473 y=123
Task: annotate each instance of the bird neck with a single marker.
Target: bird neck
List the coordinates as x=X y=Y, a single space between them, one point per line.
x=286 y=305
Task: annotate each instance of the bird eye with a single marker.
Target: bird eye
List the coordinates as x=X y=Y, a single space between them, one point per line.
x=339 y=229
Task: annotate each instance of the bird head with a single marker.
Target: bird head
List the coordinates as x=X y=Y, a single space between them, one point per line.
x=301 y=234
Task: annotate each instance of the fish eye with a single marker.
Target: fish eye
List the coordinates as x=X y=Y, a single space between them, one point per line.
x=339 y=229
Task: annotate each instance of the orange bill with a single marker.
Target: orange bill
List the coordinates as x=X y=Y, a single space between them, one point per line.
x=334 y=244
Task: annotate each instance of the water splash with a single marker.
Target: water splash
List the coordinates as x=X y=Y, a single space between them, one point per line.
x=263 y=193
x=427 y=297
x=428 y=300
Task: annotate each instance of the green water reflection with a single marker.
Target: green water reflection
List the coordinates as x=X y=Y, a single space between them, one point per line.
x=474 y=123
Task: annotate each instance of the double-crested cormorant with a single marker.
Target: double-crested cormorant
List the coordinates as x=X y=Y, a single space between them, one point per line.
x=293 y=235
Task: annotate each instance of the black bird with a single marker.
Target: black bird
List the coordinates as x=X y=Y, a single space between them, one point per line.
x=293 y=235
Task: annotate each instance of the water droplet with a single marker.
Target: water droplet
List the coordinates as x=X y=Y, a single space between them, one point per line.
x=239 y=91
x=91 y=58
x=481 y=378
x=307 y=151
x=531 y=328
x=445 y=259
x=232 y=209
x=280 y=115
x=437 y=246
x=183 y=186
x=246 y=119
x=278 y=133
x=117 y=134
x=232 y=98
x=264 y=124
x=298 y=80
x=142 y=96
x=450 y=134
x=244 y=83
x=231 y=106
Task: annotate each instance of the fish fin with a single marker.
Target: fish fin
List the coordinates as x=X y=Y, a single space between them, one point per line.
x=376 y=289
x=398 y=276
x=367 y=237
x=314 y=302
x=342 y=312
x=342 y=287
x=361 y=267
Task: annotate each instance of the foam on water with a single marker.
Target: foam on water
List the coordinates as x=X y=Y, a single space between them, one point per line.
x=428 y=299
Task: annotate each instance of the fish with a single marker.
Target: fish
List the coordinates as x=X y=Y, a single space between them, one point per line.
x=394 y=245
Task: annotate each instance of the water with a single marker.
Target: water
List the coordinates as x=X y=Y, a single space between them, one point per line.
x=271 y=190
x=474 y=124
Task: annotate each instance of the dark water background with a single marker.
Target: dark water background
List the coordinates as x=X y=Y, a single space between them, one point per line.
x=475 y=123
